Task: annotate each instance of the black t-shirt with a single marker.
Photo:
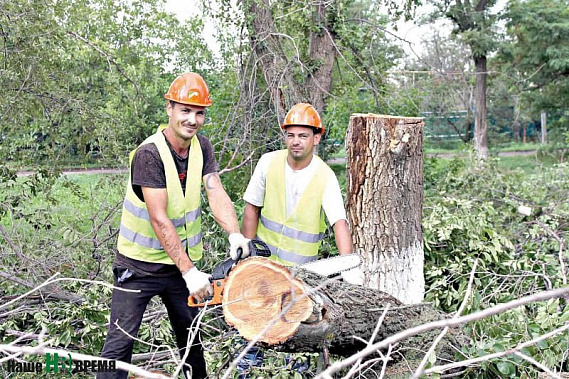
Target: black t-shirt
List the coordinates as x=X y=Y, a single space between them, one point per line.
x=148 y=171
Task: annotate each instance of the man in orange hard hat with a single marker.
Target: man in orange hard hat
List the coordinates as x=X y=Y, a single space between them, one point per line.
x=293 y=190
x=289 y=196
x=160 y=235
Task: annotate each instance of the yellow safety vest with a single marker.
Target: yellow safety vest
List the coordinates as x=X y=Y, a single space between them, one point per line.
x=137 y=239
x=294 y=239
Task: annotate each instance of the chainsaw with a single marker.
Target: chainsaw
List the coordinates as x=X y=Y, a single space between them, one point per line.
x=257 y=248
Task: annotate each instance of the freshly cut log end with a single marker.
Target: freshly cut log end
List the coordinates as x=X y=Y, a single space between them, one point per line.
x=261 y=294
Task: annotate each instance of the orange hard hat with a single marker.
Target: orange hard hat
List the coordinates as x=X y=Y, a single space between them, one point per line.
x=303 y=114
x=189 y=88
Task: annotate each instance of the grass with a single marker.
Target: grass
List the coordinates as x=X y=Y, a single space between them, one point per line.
x=527 y=164
x=516 y=146
x=68 y=163
x=460 y=147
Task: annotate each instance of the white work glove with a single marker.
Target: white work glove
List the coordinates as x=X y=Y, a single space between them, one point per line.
x=198 y=284
x=236 y=241
x=353 y=276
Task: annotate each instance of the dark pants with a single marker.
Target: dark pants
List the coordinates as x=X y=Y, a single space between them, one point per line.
x=127 y=309
x=255 y=358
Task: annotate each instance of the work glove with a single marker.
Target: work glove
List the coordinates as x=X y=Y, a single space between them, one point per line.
x=353 y=276
x=198 y=284
x=236 y=241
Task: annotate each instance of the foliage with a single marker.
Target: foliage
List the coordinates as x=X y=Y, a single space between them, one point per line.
x=536 y=58
x=57 y=227
x=355 y=37
x=86 y=79
x=471 y=214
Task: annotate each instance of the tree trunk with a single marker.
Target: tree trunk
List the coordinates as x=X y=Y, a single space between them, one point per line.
x=543 y=134
x=323 y=51
x=291 y=309
x=384 y=197
x=274 y=64
x=481 y=120
x=281 y=72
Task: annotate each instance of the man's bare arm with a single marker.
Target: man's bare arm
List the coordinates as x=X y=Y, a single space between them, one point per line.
x=343 y=237
x=250 y=220
x=220 y=203
x=156 y=201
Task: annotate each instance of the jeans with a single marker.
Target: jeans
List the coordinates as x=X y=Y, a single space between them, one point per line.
x=255 y=358
x=127 y=309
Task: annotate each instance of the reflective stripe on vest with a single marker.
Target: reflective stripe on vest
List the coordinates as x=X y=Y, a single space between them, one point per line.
x=137 y=239
x=294 y=239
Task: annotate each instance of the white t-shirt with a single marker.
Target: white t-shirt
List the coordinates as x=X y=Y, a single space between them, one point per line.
x=295 y=184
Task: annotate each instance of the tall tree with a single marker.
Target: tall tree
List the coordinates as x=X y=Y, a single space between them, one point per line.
x=475 y=23
x=313 y=51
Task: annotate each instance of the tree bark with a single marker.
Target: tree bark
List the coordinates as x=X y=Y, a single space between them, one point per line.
x=481 y=120
x=384 y=197
x=290 y=309
x=323 y=51
x=274 y=64
x=281 y=72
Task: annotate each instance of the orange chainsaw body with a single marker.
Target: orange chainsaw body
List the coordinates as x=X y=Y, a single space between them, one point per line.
x=218 y=285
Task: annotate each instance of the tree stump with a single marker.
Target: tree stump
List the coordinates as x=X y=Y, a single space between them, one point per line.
x=384 y=201
x=290 y=309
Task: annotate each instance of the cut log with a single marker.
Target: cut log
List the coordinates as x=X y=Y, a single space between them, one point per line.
x=294 y=310
x=259 y=291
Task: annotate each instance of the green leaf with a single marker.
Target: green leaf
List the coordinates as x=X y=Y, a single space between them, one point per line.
x=506 y=368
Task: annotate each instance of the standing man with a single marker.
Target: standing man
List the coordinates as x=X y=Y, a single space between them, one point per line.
x=290 y=192
x=160 y=235
x=289 y=195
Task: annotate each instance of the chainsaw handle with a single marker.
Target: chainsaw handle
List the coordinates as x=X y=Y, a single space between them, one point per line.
x=218 y=285
x=239 y=254
x=259 y=248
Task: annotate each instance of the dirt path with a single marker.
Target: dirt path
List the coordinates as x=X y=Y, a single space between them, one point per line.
x=330 y=161
x=451 y=155
x=88 y=171
x=500 y=154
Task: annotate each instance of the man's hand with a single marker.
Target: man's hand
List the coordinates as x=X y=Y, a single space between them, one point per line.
x=198 y=284
x=236 y=241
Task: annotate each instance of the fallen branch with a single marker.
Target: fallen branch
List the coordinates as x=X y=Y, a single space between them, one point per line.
x=561 y=244
x=500 y=308
x=425 y=360
x=537 y=364
x=49 y=292
x=487 y=357
x=51 y=280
